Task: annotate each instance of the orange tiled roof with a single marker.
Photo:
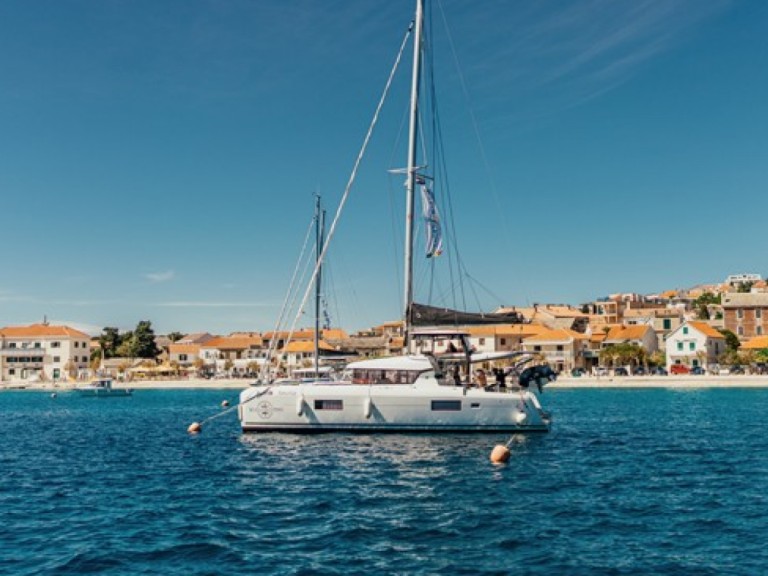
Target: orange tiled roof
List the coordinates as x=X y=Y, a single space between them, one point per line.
x=306 y=346
x=520 y=329
x=41 y=331
x=184 y=348
x=234 y=342
x=706 y=329
x=634 y=332
x=756 y=343
x=560 y=334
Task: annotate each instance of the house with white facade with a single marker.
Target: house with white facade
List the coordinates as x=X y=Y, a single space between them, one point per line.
x=42 y=352
x=694 y=344
x=561 y=348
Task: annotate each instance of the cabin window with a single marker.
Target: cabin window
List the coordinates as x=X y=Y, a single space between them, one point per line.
x=360 y=376
x=329 y=405
x=446 y=405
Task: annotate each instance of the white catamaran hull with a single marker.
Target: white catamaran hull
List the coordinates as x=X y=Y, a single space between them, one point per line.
x=382 y=408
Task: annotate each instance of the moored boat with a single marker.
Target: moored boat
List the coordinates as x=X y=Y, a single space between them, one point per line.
x=102 y=388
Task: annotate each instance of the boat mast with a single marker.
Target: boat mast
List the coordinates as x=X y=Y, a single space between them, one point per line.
x=319 y=239
x=411 y=168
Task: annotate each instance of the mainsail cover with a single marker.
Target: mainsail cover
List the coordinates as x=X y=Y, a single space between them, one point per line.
x=424 y=315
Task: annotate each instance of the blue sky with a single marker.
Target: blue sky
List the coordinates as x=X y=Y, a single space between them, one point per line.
x=158 y=160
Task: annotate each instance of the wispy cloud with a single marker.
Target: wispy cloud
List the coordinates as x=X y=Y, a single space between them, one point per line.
x=209 y=304
x=158 y=277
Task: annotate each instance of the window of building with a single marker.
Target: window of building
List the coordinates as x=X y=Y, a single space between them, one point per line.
x=759 y=313
x=55 y=344
x=12 y=372
x=537 y=348
x=679 y=345
x=759 y=330
x=12 y=345
x=56 y=359
x=77 y=344
x=740 y=330
x=503 y=341
x=667 y=324
x=182 y=358
x=692 y=346
x=685 y=329
x=37 y=345
x=739 y=313
x=559 y=348
x=482 y=341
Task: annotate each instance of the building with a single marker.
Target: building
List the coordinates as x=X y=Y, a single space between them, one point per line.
x=694 y=344
x=561 y=348
x=41 y=352
x=746 y=313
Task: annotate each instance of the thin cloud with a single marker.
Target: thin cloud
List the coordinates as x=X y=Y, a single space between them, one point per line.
x=158 y=277
x=203 y=304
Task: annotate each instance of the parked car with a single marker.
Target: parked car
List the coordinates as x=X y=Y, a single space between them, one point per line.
x=697 y=371
x=639 y=371
x=659 y=371
x=577 y=372
x=620 y=371
x=679 y=369
x=736 y=369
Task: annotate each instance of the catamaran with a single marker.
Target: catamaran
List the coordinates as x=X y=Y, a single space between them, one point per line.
x=426 y=389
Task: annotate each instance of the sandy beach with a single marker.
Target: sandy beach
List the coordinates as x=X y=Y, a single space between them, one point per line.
x=740 y=381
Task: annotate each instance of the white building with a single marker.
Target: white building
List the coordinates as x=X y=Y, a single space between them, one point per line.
x=694 y=344
x=41 y=352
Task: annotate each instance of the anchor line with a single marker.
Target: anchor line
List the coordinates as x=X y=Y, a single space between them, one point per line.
x=220 y=414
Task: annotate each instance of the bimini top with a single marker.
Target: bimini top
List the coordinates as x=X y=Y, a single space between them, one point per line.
x=417 y=363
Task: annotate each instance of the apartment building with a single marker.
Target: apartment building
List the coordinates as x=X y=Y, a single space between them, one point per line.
x=42 y=352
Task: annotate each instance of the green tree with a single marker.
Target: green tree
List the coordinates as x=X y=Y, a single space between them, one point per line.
x=701 y=304
x=732 y=343
x=175 y=336
x=109 y=342
x=144 y=341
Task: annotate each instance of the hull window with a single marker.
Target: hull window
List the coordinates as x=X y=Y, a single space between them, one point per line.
x=446 y=405
x=329 y=405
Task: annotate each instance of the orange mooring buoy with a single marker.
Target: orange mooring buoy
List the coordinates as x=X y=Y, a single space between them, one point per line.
x=499 y=454
x=194 y=428
x=224 y=403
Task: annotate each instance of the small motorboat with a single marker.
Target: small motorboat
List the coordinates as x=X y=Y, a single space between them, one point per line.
x=102 y=388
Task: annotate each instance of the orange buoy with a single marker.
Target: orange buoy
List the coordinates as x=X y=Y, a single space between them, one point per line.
x=499 y=454
x=194 y=428
x=224 y=403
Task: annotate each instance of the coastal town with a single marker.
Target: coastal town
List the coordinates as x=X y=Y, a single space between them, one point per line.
x=711 y=329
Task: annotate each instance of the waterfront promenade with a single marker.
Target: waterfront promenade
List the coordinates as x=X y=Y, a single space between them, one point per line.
x=686 y=381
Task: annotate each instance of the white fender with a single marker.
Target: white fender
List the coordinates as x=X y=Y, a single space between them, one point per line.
x=299 y=404
x=520 y=416
x=367 y=407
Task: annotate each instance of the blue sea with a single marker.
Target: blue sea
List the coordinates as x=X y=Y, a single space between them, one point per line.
x=628 y=482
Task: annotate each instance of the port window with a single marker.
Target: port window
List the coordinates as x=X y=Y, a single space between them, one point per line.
x=446 y=405
x=329 y=405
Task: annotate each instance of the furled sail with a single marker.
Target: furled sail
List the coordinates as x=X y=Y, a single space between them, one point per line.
x=424 y=315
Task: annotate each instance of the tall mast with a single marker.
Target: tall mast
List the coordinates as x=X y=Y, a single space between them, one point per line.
x=411 y=169
x=319 y=234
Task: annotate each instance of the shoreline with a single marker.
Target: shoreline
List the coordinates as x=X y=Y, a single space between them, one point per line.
x=563 y=382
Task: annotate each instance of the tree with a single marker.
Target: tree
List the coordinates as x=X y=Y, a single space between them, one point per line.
x=144 y=338
x=702 y=303
x=732 y=343
x=109 y=342
x=175 y=336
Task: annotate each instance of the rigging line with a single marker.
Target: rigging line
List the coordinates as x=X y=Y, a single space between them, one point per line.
x=353 y=175
x=476 y=127
x=284 y=309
